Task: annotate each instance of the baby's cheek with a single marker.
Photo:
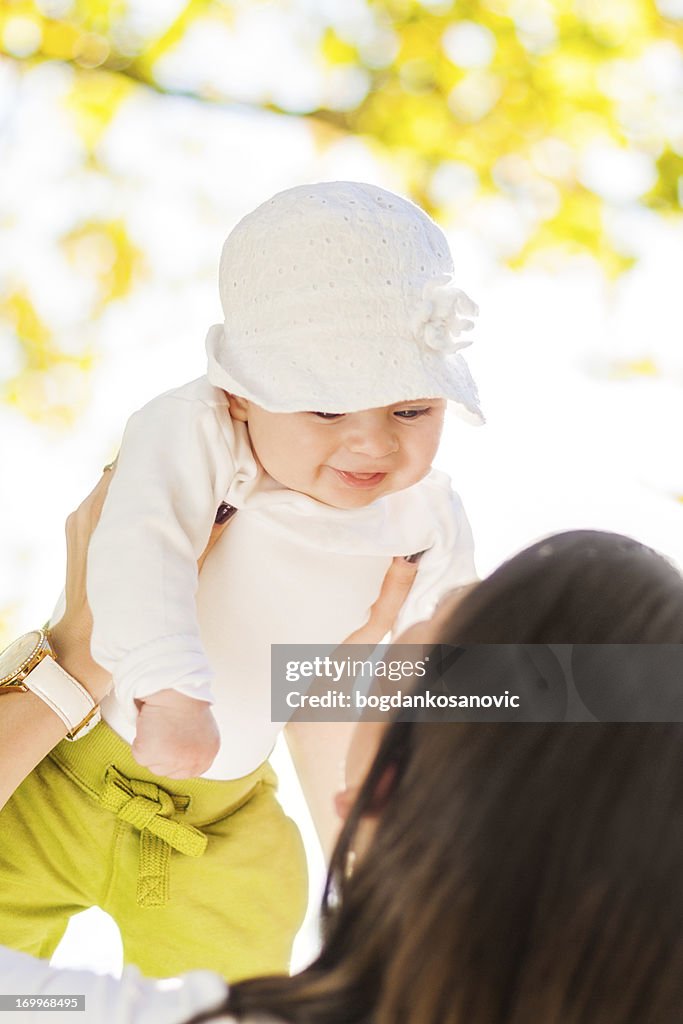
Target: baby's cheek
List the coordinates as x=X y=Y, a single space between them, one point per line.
x=416 y=472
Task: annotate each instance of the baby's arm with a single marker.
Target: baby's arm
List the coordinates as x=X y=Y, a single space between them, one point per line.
x=173 y=471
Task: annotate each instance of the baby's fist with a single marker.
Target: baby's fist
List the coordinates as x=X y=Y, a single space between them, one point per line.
x=176 y=735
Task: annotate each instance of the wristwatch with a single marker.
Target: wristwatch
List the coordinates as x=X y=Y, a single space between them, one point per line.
x=30 y=663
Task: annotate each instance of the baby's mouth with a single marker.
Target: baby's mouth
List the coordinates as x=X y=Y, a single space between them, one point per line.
x=360 y=479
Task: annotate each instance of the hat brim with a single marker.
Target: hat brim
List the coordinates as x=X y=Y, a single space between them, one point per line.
x=279 y=383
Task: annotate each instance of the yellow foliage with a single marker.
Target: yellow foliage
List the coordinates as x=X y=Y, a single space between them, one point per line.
x=170 y=38
x=667 y=194
x=398 y=9
x=336 y=50
x=577 y=228
x=572 y=73
x=616 y=23
x=54 y=397
x=51 y=386
x=544 y=78
x=643 y=367
x=104 y=248
x=520 y=118
x=94 y=100
x=33 y=334
x=60 y=40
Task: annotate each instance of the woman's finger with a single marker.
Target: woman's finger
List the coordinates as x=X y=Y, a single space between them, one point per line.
x=223 y=517
x=82 y=521
x=395 y=588
x=71 y=634
x=393 y=593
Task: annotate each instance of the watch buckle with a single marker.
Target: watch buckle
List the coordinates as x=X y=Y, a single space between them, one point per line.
x=74 y=734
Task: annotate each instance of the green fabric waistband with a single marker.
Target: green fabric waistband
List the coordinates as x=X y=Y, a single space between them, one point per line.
x=90 y=760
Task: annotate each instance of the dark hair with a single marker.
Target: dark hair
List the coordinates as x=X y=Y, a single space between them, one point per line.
x=580 y=587
x=518 y=873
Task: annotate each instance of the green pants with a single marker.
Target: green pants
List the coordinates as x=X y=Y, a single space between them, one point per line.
x=196 y=873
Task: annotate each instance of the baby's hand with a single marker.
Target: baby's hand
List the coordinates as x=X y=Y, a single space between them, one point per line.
x=176 y=735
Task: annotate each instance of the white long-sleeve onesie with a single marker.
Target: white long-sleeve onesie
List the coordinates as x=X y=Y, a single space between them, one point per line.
x=289 y=569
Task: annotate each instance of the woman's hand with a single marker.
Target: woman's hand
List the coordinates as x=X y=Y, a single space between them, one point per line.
x=319 y=748
x=391 y=598
x=367 y=735
x=71 y=635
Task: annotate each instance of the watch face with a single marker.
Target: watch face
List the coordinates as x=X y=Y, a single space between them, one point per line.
x=14 y=657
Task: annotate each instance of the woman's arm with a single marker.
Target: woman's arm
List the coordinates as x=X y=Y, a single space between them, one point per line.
x=71 y=635
x=318 y=749
x=29 y=729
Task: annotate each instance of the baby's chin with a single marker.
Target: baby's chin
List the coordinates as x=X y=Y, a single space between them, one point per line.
x=349 y=497
x=342 y=501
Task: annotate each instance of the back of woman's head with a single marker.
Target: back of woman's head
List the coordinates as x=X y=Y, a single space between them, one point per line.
x=531 y=872
x=581 y=587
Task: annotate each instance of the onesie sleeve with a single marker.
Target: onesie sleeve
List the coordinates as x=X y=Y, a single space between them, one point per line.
x=130 y=999
x=173 y=470
x=449 y=561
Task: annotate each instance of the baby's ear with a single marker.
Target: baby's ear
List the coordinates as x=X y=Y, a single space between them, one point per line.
x=239 y=408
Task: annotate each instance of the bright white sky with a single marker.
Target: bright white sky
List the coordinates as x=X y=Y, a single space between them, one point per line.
x=566 y=445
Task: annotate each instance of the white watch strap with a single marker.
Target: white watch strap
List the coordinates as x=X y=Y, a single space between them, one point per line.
x=64 y=695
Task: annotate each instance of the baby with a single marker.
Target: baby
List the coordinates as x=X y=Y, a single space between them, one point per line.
x=318 y=420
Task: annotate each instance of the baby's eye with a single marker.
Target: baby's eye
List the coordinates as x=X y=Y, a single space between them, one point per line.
x=328 y=415
x=411 y=414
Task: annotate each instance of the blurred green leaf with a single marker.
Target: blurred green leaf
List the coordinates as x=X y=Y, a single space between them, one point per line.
x=667 y=194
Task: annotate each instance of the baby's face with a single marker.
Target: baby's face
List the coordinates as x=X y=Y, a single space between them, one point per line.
x=350 y=459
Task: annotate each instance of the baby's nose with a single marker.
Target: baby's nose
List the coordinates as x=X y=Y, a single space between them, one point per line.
x=375 y=442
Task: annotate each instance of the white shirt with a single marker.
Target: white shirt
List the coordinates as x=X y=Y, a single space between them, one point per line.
x=287 y=569
x=131 y=999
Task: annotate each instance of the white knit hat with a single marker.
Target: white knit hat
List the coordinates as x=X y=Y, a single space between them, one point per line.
x=339 y=297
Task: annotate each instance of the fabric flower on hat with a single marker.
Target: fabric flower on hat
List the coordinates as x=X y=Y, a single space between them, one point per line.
x=442 y=315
